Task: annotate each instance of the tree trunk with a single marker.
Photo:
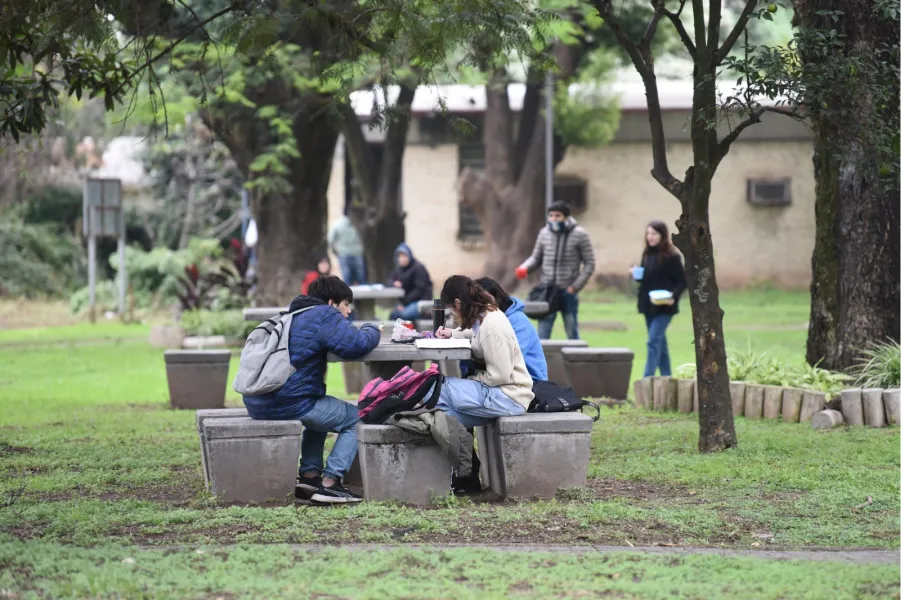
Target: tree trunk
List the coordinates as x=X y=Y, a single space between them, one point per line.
x=717 y=428
x=377 y=211
x=291 y=226
x=855 y=289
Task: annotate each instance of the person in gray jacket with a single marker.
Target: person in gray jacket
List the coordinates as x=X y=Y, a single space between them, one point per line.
x=563 y=251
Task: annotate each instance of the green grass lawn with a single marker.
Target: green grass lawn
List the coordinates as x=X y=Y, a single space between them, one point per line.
x=93 y=463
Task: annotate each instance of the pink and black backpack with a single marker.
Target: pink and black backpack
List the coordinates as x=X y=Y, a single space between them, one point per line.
x=408 y=390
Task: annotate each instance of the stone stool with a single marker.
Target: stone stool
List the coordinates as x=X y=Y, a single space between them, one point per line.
x=401 y=465
x=536 y=454
x=599 y=372
x=212 y=413
x=197 y=378
x=556 y=372
x=252 y=461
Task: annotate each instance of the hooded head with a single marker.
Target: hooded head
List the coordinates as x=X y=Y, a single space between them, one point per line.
x=403 y=256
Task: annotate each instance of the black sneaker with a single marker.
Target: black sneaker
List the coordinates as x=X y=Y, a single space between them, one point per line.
x=336 y=494
x=306 y=487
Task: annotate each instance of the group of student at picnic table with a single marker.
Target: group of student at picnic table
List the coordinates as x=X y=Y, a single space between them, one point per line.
x=506 y=348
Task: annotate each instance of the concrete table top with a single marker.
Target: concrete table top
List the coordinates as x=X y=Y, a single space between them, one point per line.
x=388 y=351
x=362 y=294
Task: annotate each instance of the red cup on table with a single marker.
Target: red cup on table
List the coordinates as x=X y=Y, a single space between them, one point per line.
x=409 y=325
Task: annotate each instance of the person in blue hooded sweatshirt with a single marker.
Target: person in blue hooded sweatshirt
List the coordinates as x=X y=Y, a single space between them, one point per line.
x=526 y=335
x=321 y=329
x=411 y=276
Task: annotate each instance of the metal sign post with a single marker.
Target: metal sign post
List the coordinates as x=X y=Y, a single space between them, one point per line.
x=103 y=216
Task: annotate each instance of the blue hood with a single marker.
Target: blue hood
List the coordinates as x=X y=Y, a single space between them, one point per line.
x=403 y=248
x=517 y=306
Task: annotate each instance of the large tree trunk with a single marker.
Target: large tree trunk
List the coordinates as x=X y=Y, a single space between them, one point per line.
x=377 y=211
x=855 y=289
x=509 y=197
x=291 y=226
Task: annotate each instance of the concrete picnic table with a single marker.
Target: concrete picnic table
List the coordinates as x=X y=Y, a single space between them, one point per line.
x=365 y=298
x=388 y=357
x=532 y=309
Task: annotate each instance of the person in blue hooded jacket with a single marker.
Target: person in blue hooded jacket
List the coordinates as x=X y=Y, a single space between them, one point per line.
x=526 y=335
x=321 y=329
x=411 y=276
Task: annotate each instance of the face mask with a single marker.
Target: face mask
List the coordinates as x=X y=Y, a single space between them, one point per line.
x=556 y=226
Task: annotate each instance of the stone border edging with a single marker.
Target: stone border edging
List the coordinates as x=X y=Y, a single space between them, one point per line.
x=870 y=407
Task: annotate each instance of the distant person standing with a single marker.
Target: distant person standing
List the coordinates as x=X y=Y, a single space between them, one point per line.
x=660 y=270
x=411 y=276
x=564 y=253
x=344 y=240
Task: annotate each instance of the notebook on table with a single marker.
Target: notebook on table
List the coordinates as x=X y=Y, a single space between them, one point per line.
x=439 y=344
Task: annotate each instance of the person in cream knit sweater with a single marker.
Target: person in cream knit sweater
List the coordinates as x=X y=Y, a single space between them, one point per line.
x=504 y=387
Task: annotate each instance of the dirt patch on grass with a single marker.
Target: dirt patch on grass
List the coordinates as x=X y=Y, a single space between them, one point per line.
x=9 y=449
x=181 y=490
x=605 y=489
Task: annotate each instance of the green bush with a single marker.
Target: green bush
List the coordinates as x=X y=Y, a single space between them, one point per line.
x=38 y=260
x=106 y=298
x=766 y=369
x=57 y=206
x=229 y=323
x=880 y=366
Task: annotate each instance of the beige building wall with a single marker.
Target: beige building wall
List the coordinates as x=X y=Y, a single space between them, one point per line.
x=753 y=243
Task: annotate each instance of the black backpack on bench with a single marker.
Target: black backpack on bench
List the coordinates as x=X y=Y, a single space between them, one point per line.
x=551 y=398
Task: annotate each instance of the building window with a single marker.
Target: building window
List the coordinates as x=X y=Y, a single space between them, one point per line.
x=769 y=192
x=470 y=155
x=570 y=189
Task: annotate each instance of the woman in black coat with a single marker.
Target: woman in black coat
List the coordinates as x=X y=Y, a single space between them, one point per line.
x=661 y=269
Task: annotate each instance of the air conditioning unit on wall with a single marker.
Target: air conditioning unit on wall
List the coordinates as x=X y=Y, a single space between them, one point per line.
x=770 y=192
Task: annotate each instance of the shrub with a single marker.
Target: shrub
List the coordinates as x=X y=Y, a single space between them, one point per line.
x=230 y=324
x=37 y=260
x=880 y=366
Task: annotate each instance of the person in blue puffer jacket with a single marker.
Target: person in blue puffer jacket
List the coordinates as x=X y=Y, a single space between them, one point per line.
x=525 y=332
x=321 y=329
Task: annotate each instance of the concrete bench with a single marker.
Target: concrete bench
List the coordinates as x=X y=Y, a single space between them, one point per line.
x=250 y=460
x=535 y=454
x=197 y=378
x=599 y=372
x=401 y=465
x=201 y=417
x=556 y=371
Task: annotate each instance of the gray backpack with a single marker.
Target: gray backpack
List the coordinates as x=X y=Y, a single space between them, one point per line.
x=265 y=361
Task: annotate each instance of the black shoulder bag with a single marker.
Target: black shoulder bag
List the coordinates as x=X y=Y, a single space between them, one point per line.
x=551 y=398
x=550 y=292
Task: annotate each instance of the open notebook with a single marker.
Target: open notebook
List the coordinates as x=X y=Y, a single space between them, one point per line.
x=436 y=343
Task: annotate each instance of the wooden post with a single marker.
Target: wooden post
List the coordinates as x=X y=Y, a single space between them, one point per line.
x=873 y=409
x=772 y=402
x=737 y=389
x=852 y=407
x=826 y=419
x=754 y=402
x=791 y=405
x=685 y=393
x=814 y=402
x=892 y=401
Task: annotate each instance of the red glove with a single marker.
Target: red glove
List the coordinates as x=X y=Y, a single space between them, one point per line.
x=521 y=273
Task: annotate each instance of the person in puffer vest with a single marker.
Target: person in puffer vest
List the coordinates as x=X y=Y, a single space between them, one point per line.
x=563 y=251
x=313 y=334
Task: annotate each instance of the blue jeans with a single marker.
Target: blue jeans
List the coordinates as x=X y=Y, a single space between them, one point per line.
x=658 y=351
x=475 y=404
x=409 y=313
x=329 y=415
x=353 y=269
x=569 y=306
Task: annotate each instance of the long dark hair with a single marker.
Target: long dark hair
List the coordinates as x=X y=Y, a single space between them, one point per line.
x=474 y=300
x=502 y=298
x=666 y=245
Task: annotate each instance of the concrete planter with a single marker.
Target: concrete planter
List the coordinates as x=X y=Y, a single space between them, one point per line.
x=197 y=378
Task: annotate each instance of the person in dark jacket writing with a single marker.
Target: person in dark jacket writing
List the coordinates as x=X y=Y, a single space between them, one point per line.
x=322 y=329
x=660 y=270
x=411 y=276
